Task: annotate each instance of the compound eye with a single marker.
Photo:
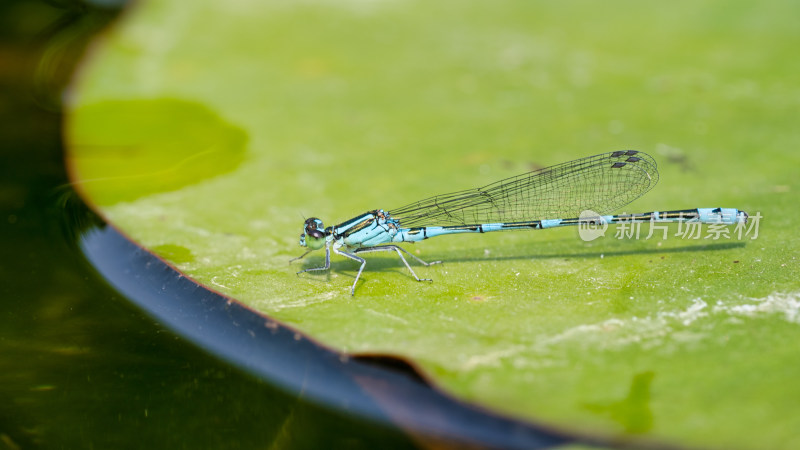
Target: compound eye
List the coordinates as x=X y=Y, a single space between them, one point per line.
x=316 y=233
x=313 y=224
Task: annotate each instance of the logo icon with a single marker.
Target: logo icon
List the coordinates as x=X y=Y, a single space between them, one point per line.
x=591 y=225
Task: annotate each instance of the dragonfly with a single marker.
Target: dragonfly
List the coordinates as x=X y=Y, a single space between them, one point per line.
x=550 y=197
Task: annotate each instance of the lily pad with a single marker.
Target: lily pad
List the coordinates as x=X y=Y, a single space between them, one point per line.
x=254 y=116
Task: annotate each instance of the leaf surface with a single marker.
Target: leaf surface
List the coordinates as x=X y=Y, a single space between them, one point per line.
x=207 y=132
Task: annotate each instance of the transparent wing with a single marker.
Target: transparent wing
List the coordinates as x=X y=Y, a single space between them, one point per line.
x=601 y=183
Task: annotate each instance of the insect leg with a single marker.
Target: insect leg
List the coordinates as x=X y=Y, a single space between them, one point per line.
x=360 y=269
x=327 y=261
x=390 y=248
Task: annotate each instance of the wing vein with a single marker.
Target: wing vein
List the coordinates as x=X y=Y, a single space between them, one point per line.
x=601 y=183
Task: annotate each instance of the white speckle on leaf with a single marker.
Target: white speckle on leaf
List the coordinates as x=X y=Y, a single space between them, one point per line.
x=786 y=304
x=214 y=282
x=280 y=303
x=491 y=358
x=678 y=326
x=387 y=315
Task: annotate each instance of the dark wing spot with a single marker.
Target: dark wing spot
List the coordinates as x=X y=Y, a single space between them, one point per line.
x=633 y=159
x=617 y=165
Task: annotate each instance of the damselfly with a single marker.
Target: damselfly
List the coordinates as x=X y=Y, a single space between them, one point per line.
x=551 y=197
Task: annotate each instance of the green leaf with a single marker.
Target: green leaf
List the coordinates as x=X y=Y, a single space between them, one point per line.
x=127 y=149
x=208 y=134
